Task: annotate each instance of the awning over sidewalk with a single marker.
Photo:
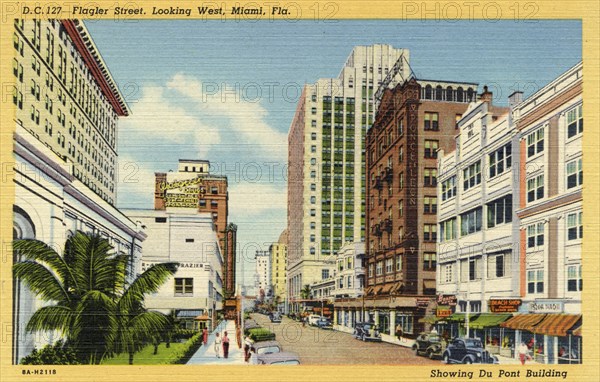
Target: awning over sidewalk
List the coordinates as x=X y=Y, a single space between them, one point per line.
x=556 y=324
x=577 y=331
x=460 y=317
x=430 y=319
x=188 y=313
x=523 y=321
x=486 y=320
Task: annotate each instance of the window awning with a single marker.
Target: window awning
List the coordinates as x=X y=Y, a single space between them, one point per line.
x=577 y=331
x=387 y=288
x=188 y=313
x=460 y=317
x=556 y=324
x=430 y=319
x=523 y=321
x=428 y=284
x=486 y=320
x=203 y=317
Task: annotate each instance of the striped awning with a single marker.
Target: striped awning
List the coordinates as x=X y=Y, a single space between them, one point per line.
x=523 y=321
x=487 y=320
x=556 y=324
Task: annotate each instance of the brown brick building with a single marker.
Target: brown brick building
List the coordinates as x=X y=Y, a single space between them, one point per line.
x=413 y=121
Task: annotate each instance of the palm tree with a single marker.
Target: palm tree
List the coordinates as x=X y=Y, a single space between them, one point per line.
x=305 y=292
x=94 y=309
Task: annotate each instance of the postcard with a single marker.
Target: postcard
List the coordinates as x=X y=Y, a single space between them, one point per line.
x=211 y=190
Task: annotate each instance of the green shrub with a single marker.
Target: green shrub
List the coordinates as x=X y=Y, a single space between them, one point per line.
x=180 y=334
x=57 y=354
x=261 y=334
x=184 y=354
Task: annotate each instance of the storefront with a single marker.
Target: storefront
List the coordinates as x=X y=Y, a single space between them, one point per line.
x=551 y=338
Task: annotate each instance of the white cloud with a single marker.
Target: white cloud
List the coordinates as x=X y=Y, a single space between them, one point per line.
x=253 y=199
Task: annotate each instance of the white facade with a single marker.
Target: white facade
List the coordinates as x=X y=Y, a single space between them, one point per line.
x=263 y=273
x=190 y=240
x=350 y=274
x=336 y=115
x=478 y=228
x=50 y=204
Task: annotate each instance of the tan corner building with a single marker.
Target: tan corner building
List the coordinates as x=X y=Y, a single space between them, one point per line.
x=279 y=252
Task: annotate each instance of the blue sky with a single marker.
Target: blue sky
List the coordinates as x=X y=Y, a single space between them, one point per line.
x=227 y=91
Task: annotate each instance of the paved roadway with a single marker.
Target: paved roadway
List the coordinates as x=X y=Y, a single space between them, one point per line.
x=328 y=347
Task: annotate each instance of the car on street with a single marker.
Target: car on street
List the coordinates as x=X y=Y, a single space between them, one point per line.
x=281 y=358
x=429 y=344
x=312 y=319
x=324 y=323
x=265 y=347
x=467 y=350
x=366 y=331
x=275 y=317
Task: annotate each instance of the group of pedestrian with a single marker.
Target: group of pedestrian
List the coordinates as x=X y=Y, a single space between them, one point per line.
x=220 y=342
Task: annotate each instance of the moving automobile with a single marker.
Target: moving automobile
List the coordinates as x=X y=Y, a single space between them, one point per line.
x=429 y=344
x=312 y=319
x=467 y=350
x=282 y=358
x=324 y=323
x=366 y=331
x=265 y=347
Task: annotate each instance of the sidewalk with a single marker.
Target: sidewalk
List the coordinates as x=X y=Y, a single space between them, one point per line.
x=206 y=354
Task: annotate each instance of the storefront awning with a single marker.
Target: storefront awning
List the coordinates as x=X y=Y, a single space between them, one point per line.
x=430 y=319
x=486 y=320
x=386 y=288
x=523 y=321
x=460 y=317
x=577 y=331
x=188 y=313
x=556 y=324
x=377 y=289
x=203 y=317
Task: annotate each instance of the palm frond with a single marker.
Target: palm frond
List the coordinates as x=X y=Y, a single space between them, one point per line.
x=54 y=317
x=39 y=251
x=148 y=282
x=41 y=281
x=95 y=322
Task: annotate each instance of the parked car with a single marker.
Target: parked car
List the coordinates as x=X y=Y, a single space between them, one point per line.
x=275 y=317
x=366 y=331
x=324 y=323
x=313 y=318
x=281 y=358
x=265 y=347
x=430 y=344
x=467 y=350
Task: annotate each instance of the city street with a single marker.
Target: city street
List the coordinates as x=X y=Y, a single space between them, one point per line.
x=329 y=347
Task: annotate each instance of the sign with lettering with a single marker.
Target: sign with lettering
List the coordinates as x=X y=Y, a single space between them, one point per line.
x=181 y=200
x=546 y=307
x=446 y=299
x=507 y=305
x=443 y=311
x=163 y=186
x=422 y=302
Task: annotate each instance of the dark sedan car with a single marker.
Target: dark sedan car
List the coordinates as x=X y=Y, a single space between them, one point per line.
x=467 y=350
x=429 y=344
x=366 y=331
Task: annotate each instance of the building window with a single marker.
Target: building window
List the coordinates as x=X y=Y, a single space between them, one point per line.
x=313 y=199
x=472 y=175
x=313 y=136
x=574 y=173
x=214 y=190
x=349 y=263
x=448 y=273
x=471 y=269
x=184 y=286
x=574 y=121
x=313 y=149
x=499 y=211
x=535 y=142
x=498 y=265
x=401 y=181
x=160 y=220
x=429 y=260
x=214 y=204
x=535 y=188
x=448 y=230
x=431 y=121
x=574 y=226
x=470 y=222
x=379 y=268
x=500 y=160
x=312 y=250
x=430 y=177
x=202 y=202
x=535 y=235
x=430 y=232
x=349 y=281
x=324 y=274
x=313 y=225
x=398 y=263
x=189 y=240
x=313 y=187
x=574 y=281
x=389 y=266
x=535 y=281
x=400 y=208
x=371 y=266
x=313 y=212
x=449 y=188
x=429 y=205
x=401 y=154
x=431 y=149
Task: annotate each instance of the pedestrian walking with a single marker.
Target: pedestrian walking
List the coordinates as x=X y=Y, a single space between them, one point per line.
x=399 y=332
x=218 y=345
x=247 y=345
x=205 y=336
x=523 y=351
x=225 y=341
